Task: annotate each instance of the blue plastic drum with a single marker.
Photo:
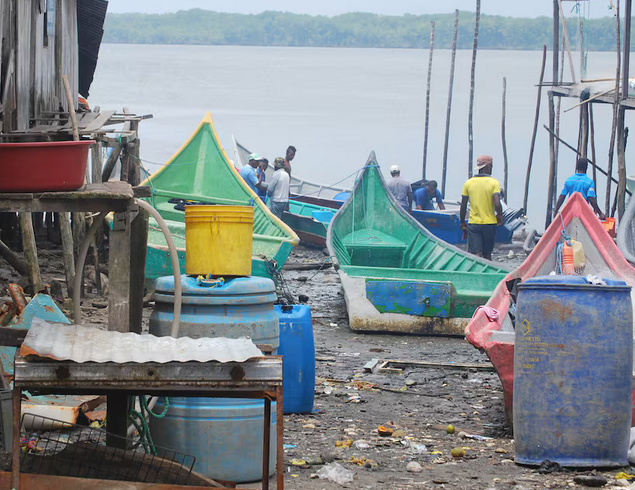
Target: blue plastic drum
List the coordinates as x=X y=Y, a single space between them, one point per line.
x=224 y=434
x=573 y=368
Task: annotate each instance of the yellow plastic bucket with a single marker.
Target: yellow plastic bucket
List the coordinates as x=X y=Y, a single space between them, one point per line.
x=219 y=240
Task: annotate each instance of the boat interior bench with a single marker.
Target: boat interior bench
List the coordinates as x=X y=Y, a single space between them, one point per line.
x=368 y=247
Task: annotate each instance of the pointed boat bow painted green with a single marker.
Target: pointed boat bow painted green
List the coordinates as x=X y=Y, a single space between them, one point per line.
x=396 y=275
x=200 y=171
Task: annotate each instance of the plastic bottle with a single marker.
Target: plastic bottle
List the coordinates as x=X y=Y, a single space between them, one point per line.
x=567 y=260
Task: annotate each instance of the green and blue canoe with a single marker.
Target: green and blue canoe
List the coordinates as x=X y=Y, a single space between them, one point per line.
x=397 y=276
x=200 y=171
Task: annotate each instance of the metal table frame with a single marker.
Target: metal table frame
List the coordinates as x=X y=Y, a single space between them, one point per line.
x=256 y=378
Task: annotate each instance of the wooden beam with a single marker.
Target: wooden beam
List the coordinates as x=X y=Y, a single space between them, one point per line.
x=30 y=252
x=504 y=140
x=68 y=256
x=13 y=259
x=621 y=147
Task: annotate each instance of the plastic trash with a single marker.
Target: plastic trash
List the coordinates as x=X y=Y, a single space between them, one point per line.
x=595 y=280
x=417 y=448
x=361 y=444
x=336 y=473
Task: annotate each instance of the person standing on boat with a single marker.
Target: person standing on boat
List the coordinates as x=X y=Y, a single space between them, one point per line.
x=289 y=157
x=486 y=213
x=582 y=183
x=400 y=188
x=278 y=190
x=423 y=196
x=249 y=174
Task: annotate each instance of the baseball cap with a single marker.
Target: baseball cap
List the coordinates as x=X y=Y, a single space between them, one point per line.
x=394 y=169
x=255 y=156
x=483 y=161
x=278 y=162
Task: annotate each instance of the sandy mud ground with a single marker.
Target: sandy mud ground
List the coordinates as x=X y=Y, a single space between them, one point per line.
x=419 y=403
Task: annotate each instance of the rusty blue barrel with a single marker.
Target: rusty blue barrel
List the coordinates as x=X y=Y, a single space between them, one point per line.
x=573 y=368
x=224 y=434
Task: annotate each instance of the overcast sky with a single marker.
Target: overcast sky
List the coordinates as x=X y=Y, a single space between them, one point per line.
x=516 y=8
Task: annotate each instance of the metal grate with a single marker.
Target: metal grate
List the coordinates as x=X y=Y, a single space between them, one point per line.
x=52 y=447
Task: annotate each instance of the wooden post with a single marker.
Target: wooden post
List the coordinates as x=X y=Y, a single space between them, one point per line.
x=139 y=242
x=110 y=163
x=119 y=274
x=552 y=160
x=427 y=123
x=616 y=106
x=559 y=105
x=584 y=131
x=592 y=140
x=66 y=235
x=30 y=252
x=470 y=129
x=504 y=140
x=556 y=40
x=449 y=112
x=621 y=146
x=536 y=120
x=566 y=40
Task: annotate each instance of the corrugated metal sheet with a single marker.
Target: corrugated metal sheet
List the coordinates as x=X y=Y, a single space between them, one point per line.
x=91 y=15
x=88 y=344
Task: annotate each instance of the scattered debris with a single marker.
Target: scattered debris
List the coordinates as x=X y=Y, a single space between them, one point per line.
x=591 y=480
x=336 y=473
x=414 y=467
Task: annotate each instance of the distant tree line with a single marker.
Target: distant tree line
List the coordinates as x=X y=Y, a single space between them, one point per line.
x=349 y=30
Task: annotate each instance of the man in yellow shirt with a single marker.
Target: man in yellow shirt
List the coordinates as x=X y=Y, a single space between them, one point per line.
x=486 y=212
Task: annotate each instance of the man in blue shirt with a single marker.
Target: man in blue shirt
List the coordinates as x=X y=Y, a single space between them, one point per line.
x=262 y=193
x=249 y=174
x=424 y=195
x=583 y=184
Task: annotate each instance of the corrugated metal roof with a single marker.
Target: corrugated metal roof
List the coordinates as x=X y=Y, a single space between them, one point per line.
x=91 y=15
x=89 y=344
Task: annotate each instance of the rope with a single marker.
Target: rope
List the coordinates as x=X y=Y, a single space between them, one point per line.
x=139 y=420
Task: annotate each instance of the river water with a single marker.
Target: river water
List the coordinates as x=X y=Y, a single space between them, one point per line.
x=335 y=105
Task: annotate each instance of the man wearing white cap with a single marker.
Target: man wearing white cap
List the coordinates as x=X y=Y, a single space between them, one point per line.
x=486 y=212
x=254 y=179
x=400 y=188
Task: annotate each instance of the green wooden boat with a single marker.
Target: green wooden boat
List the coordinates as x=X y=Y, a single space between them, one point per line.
x=396 y=275
x=200 y=171
x=309 y=222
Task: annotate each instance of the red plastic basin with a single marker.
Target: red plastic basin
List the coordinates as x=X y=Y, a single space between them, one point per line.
x=43 y=166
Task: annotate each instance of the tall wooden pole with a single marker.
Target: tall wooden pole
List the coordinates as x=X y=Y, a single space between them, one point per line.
x=552 y=159
x=558 y=107
x=616 y=105
x=592 y=140
x=566 y=40
x=536 y=120
x=449 y=112
x=470 y=130
x=621 y=145
x=504 y=140
x=556 y=41
x=427 y=124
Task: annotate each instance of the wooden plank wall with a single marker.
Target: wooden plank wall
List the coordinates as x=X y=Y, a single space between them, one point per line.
x=41 y=56
x=66 y=41
x=24 y=80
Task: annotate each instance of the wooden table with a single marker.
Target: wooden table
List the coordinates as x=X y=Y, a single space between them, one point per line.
x=255 y=378
x=128 y=242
